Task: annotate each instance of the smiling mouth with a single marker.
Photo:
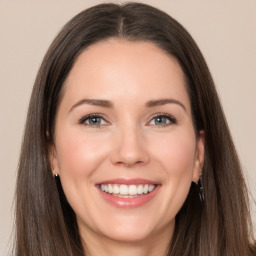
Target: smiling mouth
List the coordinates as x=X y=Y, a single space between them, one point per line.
x=127 y=191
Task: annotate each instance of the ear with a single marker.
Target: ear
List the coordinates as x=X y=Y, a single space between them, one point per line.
x=199 y=157
x=53 y=159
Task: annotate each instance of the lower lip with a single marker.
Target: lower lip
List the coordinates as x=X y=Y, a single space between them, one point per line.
x=129 y=202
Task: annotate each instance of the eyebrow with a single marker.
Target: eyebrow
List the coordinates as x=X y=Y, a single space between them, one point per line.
x=154 y=103
x=108 y=104
x=94 y=102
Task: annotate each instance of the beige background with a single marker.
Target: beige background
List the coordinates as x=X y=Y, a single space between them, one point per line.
x=224 y=30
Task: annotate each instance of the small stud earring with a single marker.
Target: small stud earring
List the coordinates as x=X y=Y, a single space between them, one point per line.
x=55 y=174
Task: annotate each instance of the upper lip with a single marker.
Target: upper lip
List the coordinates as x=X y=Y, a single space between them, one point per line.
x=135 y=181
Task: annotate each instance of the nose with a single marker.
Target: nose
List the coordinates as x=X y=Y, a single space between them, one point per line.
x=129 y=148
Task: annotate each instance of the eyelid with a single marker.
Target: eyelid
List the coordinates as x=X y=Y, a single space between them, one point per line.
x=171 y=118
x=86 y=117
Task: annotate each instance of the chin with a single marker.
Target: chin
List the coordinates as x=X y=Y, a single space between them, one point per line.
x=130 y=235
x=134 y=229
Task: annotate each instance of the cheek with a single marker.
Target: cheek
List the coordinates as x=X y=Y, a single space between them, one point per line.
x=78 y=154
x=176 y=153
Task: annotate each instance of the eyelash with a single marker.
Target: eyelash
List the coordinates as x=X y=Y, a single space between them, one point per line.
x=91 y=116
x=170 y=118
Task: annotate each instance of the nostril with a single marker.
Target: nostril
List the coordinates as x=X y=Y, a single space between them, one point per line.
x=129 y=163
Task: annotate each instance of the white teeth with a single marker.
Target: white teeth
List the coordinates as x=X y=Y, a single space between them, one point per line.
x=110 y=189
x=127 y=191
x=115 y=189
x=123 y=190
x=140 y=189
x=145 y=189
x=151 y=188
x=132 y=190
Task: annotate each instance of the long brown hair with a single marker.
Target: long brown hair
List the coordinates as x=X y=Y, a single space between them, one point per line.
x=218 y=224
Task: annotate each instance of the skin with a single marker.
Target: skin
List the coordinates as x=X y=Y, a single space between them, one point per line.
x=126 y=143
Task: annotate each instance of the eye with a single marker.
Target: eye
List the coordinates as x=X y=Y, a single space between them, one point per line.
x=162 y=120
x=93 y=120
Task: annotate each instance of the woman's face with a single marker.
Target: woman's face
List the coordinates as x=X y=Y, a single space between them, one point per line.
x=125 y=147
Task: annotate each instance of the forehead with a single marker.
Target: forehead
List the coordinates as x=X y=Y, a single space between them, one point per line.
x=117 y=69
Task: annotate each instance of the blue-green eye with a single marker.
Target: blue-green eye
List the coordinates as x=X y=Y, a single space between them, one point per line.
x=93 y=120
x=162 y=120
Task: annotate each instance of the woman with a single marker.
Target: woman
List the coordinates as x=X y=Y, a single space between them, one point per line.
x=126 y=148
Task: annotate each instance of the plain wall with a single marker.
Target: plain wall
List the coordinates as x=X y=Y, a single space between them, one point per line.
x=224 y=30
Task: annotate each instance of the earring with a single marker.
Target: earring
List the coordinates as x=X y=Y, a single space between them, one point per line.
x=55 y=175
x=201 y=188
